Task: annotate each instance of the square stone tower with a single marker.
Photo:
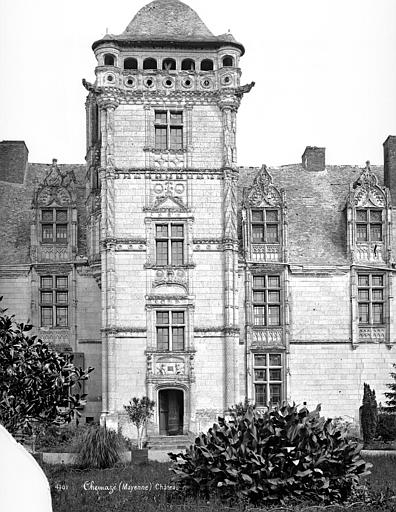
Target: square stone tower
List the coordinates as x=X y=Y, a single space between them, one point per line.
x=162 y=210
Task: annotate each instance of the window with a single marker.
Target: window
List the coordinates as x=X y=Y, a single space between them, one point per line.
x=170 y=330
x=207 y=65
x=149 y=64
x=266 y=300
x=54 y=226
x=369 y=225
x=54 y=301
x=371 y=299
x=109 y=59
x=130 y=63
x=168 y=129
x=169 y=64
x=267 y=379
x=188 y=65
x=265 y=226
x=169 y=243
x=228 y=61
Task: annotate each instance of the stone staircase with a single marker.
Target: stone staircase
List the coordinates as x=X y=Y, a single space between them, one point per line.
x=170 y=443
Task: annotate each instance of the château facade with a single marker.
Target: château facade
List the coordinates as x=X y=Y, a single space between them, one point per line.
x=178 y=274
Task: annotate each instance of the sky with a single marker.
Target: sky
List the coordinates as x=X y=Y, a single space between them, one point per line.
x=325 y=73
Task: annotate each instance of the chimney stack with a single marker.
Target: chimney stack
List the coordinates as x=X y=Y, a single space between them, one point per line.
x=390 y=166
x=314 y=159
x=13 y=160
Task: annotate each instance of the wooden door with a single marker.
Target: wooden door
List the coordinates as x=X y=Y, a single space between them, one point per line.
x=163 y=413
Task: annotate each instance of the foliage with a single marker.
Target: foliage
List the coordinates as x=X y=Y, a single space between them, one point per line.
x=239 y=410
x=60 y=438
x=139 y=412
x=35 y=381
x=271 y=457
x=386 y=427
x=67 y=484
x=368 y=414
x=391 y=395
x=99 y=447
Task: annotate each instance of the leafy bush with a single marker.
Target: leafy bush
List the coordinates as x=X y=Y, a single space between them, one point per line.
x=99 y=448
x=36 y=383
x=391 y=395
x=386 y=427
x=271 y=457
x=368 y=415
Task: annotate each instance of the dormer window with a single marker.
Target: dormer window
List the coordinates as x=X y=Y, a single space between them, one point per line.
x=265 y=225
x=109 y=59
x=369 y=225
x=54 y=226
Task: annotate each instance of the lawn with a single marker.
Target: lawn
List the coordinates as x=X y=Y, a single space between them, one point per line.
x=148 y=488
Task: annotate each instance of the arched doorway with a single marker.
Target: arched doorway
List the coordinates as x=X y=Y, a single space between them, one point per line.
x=171 y=412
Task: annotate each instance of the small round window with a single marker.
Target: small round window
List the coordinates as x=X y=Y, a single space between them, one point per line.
x=149 y=82
x=129 y=81
x=206 y=83
x=168 y=82
x=110 y=78
x=187 y=83
x=226 y=80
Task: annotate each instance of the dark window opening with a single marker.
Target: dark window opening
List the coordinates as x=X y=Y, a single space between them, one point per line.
x=188 y=65
x=169 y=64
x=109 y=59
x=207 y=65
x=149 y=64
x=130 y=63
x=170 y=330
x=228 y=61
x=371 y=299
x=168 y=129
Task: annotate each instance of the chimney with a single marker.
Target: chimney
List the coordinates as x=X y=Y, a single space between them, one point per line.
x=390 y=166
x=13 y=160
x=314 y=159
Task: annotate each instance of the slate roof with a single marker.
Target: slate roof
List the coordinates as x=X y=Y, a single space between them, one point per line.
x=168 y=21
x=16 y=213
x=315 y=207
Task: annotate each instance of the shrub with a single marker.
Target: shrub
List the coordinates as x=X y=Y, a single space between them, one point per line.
x=37 y=385
x=391 y=395
x=386 y=427
x=368 y=415
x=139 y=411
x=99 y=448
x=270 y=457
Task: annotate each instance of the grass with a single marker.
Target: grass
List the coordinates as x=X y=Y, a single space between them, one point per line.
x=112 y=490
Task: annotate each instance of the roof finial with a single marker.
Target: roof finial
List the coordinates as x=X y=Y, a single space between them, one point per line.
x=107 y=30
x=368 y=165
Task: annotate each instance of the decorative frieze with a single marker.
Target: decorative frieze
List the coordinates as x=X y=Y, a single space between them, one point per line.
x=266 y=252
x=372 y=334
x=266 y=337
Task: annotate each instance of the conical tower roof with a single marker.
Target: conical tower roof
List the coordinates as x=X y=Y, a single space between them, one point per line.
x=169 y=22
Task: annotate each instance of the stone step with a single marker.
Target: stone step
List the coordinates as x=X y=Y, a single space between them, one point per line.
x=179 y=442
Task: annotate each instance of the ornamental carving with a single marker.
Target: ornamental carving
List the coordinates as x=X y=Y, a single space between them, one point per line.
x=267 y=337
x=366 y=192
x=373 y=334
x=170 y=277
x=168 y=193
x=263 y=192
x=57 y=188
x=169 y=368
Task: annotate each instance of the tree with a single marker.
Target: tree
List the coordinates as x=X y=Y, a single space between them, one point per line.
x=392 y=393
x=139 y=411
x=369 y=414
x=37 y=384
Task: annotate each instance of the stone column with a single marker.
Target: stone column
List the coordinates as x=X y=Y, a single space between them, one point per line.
x=107 y=245
x=231 y=336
